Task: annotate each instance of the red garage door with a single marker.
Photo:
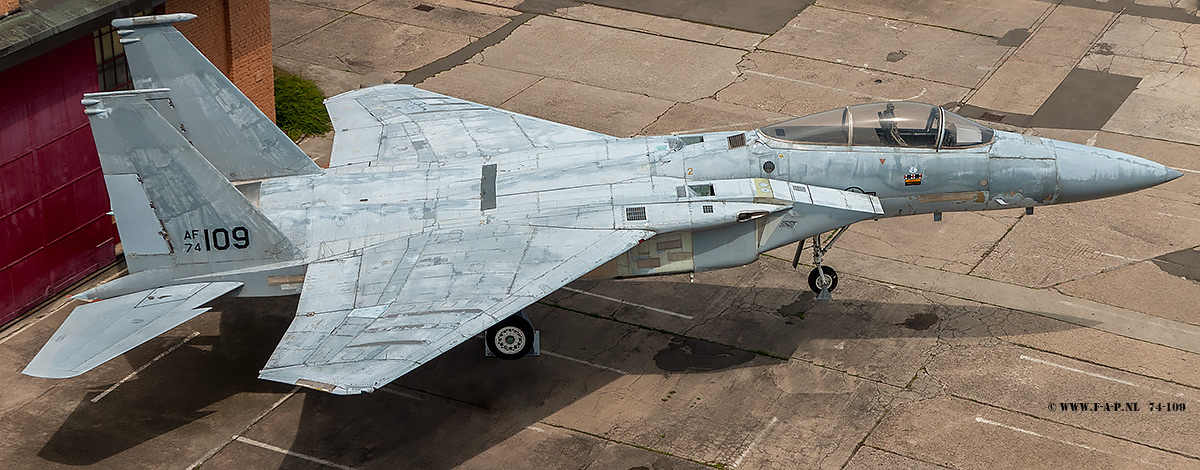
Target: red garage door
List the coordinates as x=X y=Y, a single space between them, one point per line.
x=53 y=224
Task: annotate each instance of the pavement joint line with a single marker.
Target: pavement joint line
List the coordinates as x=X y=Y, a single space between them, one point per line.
x=133 y=374
x=765 y=430
x=869 y=15
x=889 y=451
x=1184 y=169
x=1098 y=364
x=983 y=420
x=402 y=394
x=214 y=451
x=1105 y=377
x=636 y=446
x=290 y=453
x=833 y=88
x=755 y=123
x=647 y=307
x=581 y=361
x=1073 y=426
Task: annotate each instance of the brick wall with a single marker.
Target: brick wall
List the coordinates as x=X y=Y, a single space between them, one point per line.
x=235 y=35
x=7 y=6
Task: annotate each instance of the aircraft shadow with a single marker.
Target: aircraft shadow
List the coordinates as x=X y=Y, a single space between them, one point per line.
x=460 y=404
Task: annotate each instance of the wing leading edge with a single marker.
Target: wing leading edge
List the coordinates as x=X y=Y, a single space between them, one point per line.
x=401 y=126
x=367 y=319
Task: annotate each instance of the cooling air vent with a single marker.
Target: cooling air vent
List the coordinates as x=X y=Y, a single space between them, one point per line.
x=635 y=213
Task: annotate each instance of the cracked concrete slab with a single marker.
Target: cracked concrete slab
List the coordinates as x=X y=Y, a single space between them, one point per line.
x=709 y=115
x=1126 y=287
x=987 y=17
x=385 y=57
x=301 y=19
x=1106 y=233
x=439 y=17
x=1028 y=382
x=932 y=430
x=602 y=57
x=858 y=40
x=663 y=26
x=480 y=83
x=1026 y=79
x=611 y=112
x=958 y=243
x=798 y=86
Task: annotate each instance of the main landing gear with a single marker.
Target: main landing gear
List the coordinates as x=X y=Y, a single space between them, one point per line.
x=513 y=338
x=823 y=279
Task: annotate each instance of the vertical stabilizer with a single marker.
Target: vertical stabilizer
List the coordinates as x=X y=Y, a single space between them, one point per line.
x=205 y=108
x=172 y=207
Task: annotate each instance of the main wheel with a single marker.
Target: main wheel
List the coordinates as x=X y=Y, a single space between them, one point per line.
x=826 y=278
x=510 y=339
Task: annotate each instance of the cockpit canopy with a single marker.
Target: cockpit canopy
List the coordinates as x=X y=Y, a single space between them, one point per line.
x=890 y=124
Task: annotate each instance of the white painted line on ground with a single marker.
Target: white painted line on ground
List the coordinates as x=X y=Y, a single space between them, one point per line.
x=774 y=419
x=144 y=366
x=1105 y=377
x=1115 y=256
x=254 y=421
x=1092 y=140
x=581 y=361
x=647 y=307
x=1184 y=170
x=535 y=428
x=1193 y=219
x=405 y=395
x=289 y=453
x=983 y=420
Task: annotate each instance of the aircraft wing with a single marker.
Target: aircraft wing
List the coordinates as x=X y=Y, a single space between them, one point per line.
x=99 y=331
x=404 y=127
x=365 y=320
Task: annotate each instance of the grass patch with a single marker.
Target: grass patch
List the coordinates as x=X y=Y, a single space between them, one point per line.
x=299 y=107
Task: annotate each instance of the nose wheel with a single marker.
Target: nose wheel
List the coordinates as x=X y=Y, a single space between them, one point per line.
x=823 y=279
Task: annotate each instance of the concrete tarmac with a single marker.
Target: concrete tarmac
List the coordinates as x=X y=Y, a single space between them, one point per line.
x=987 y=340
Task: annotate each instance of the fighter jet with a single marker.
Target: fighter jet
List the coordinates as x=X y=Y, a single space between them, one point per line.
x=439 y=219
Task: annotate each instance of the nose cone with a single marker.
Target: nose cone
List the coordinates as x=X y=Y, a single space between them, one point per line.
x=1091 y=173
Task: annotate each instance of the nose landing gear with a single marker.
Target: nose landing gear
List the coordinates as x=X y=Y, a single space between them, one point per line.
x=823 y=279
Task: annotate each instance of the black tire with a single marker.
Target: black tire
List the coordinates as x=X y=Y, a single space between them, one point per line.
x=812 y=279
x=510 y=339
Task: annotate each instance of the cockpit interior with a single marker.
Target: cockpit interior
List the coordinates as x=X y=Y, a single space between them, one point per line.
x=888 y=124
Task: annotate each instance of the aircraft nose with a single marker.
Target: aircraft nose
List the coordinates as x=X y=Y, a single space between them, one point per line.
x=1086 y=172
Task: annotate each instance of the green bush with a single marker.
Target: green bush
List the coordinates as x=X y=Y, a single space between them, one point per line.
x=299 y=110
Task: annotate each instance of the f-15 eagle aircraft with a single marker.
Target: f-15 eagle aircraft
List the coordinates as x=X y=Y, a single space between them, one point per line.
x=439 y=218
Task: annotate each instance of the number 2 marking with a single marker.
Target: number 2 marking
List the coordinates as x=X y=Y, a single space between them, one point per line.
x=689 y=172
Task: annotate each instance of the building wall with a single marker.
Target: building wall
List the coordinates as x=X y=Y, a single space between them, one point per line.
x=235 y=35
x=54 y=227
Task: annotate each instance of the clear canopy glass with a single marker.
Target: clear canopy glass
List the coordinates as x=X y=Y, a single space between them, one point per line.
x=890 y=124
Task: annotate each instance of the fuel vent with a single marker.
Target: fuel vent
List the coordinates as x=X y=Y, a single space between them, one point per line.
x=707 y=209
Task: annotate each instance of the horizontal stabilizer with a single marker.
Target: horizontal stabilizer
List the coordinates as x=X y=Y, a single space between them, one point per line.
x=99 y=331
